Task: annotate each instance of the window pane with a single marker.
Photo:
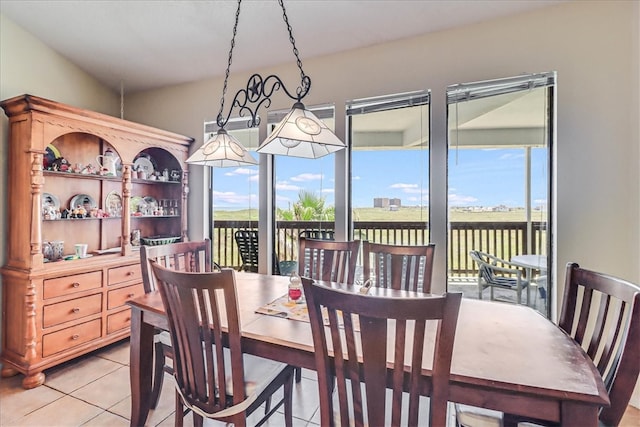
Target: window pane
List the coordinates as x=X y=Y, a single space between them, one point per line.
x=303 y=193
x=234 y=198
x=390 y=172
x=498 y=187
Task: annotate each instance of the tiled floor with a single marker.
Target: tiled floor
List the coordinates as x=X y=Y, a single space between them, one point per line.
x=94 y=391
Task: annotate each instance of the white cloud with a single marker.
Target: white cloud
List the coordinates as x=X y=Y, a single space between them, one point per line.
x=285 y=186
x=230 y=197
x=511 y=156
x=460 y=200
x=355 y=178
x=328 y=190
x=242 y=171
x=307 y=177
x=403 y=186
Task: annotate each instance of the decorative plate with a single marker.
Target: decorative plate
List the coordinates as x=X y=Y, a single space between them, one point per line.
x=134 y=204
x=144 y=164
x=50 y=200
x=83 y=200
x=113 y=204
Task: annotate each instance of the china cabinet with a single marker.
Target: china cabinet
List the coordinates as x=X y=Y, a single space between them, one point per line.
x=75 y=178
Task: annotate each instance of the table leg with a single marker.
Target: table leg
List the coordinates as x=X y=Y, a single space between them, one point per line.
x=573 y=414
x=140 y=367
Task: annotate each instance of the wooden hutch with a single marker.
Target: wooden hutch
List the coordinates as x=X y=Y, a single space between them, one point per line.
x=55 y=310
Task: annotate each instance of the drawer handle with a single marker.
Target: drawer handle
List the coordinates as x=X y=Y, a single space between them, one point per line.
x=76 y=310
x=75 y=337
x=75 y=284
x=131 y=295
x=130 y=273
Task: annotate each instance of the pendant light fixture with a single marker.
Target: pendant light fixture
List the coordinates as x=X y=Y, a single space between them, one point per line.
x=299 y=134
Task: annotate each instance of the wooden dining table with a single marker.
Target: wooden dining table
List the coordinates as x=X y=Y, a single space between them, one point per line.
x=506 y=357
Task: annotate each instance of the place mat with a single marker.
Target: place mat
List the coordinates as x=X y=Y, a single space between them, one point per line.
x=282 y=307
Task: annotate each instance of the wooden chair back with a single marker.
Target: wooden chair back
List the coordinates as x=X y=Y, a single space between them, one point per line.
x=182 y=256
x=199 y=307
x=328 y=260
x=408 y=268
x=602 y=313
x=418 y=330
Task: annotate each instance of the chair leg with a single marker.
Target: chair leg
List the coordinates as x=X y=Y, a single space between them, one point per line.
x=179 y=415
x=158 y=374
x=298 y=375
x=288 y=401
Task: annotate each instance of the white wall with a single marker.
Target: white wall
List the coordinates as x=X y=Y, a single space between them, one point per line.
x=592 y=45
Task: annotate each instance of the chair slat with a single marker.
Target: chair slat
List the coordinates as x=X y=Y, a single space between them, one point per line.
x=367 y=323
x=209 y=370
x=328 y=260
x=408 y=267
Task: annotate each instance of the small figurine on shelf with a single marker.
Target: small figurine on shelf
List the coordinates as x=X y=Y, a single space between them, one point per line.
x=60 y=165
x=79 y=212
x=88 y=170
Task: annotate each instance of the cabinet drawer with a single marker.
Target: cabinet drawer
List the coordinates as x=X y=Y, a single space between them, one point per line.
x=124 y=274
x=54 y=314
x=71 y=284
x=118 y=321
x=70 y=337
x=118 y=297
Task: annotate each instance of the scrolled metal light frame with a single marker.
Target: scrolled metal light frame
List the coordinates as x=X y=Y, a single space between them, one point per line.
x=258 y=92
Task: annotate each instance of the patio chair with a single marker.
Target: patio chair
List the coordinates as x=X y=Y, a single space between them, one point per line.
x=494 y=272
x=398 y=266
x=215 y=381
x=317 y=234
x=247 y=242
x=373 y=394
x=184 y=256
x=602 y=314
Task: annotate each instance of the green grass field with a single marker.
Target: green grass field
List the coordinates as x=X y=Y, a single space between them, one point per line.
x=404 y=214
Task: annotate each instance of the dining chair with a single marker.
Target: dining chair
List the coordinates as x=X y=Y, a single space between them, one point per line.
x=403 y=267
x=602 y=314
x=494 y=272
x=355 y=334
x=185 y=256
x=216 y=381
x=328 y=260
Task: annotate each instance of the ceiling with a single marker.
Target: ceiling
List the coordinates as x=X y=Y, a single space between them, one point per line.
x=145 y=44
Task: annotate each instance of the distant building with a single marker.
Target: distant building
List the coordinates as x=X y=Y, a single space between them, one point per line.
x=385 y=202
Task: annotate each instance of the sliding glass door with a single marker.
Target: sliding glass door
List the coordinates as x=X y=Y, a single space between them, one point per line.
x=389 y=142
x=500 y=136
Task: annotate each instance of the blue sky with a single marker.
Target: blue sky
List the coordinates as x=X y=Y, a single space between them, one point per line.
x=479 y=177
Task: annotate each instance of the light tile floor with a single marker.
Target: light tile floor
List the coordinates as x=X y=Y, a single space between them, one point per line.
x=94 y=391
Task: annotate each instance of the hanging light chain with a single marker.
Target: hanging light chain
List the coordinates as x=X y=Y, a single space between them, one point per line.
x=305 y=81
x=219 y=120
